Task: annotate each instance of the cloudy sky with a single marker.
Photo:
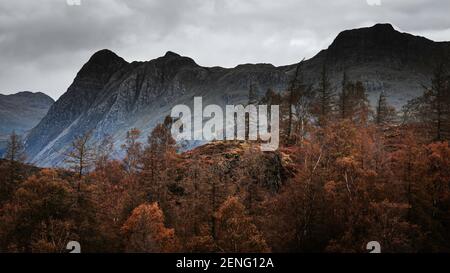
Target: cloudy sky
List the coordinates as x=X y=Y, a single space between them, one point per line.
x=44 y=43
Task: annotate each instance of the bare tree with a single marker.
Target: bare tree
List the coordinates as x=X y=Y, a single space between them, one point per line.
x=82 y=154
x=15 y=150
x=293 y=92
x=15 y=155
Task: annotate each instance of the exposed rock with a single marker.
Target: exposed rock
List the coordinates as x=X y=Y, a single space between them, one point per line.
x=110 y=96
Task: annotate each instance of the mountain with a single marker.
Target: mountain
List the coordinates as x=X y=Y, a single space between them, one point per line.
x=383 y=59
x=21 y=112
x=109 y=95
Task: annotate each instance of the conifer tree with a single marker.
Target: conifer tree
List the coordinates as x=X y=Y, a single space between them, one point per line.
x=325 y=98
x=432 y=109
x=385 y=113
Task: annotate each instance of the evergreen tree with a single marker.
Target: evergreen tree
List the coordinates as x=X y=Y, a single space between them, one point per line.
x=325 y=98
x=385 y=113
x=353 y=102
x=433 y=108
x=343 y=97
x=253 y=94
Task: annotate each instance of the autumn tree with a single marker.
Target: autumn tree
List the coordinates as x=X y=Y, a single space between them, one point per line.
x=144 y=231
x=216 y=191
x=14 y=148
x=41 y=199
x=81 y=156
x=192 y=220
x=435 y=199
x=14 y=155
x=52 y=236
x=156 y=160
x=114 y=194
x=297 y=215
x=236 y=231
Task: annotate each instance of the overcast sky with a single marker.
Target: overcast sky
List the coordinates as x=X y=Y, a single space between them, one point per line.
x=44 y=43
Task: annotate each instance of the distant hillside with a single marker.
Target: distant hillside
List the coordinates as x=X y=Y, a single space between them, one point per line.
x=21 y=112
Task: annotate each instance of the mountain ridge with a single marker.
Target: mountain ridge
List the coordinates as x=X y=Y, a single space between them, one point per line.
x=20 y=112
x=110 y=95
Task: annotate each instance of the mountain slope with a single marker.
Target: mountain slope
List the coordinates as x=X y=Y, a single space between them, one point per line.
x=110 y=96
x=21 y=112
x=138 y=94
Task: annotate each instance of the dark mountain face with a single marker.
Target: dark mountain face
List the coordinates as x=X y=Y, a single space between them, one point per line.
x=109 y=96
x=21 y=112
x=382 y=43
x=383 y=59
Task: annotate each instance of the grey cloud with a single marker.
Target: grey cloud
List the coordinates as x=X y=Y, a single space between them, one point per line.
x=44 y=43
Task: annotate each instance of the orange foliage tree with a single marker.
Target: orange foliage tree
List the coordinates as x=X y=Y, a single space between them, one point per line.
x=236 y=231
x=144 y=231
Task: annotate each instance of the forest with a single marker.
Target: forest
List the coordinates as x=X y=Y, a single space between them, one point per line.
x=345 y=174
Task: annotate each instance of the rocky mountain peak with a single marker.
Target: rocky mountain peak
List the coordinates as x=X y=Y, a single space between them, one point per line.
x=385 y=27
x=379 y=36
x=101 y=62
x=174 y=61
x=104 y=56
x=381 y=43
x=170 y=54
